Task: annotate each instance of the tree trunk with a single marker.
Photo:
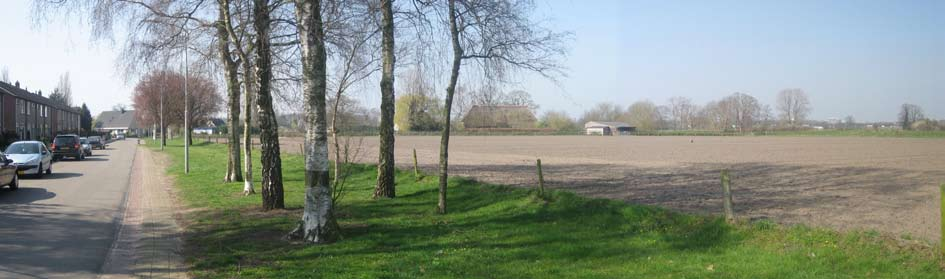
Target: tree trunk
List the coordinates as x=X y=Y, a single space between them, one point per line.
x=450 y=90
x=334 y=139
x=233 y=172
x=248 y=81
x=385 y=163
x=272 y=193
x=318 y=223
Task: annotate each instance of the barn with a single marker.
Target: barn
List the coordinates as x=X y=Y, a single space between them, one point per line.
x=499 y=117
x=608 y=128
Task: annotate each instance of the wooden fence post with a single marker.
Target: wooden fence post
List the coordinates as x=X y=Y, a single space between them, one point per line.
x=727 y=197
x=541 y=180
x=301 y=149
x=416 y=168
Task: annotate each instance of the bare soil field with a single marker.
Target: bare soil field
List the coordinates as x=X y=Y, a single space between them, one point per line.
x=883 y=184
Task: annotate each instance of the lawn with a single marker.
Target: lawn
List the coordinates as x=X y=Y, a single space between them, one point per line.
x=502 y=232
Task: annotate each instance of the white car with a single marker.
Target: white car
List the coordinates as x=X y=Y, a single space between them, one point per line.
x=30 y=157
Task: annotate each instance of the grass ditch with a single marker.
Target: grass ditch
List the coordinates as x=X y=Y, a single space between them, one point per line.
x=496 y=231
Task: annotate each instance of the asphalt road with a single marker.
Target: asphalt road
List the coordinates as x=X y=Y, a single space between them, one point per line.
x=62 y=225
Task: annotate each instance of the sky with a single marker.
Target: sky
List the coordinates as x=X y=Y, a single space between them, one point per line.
x=860 y=57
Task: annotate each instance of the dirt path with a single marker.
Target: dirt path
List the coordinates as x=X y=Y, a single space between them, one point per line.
x=885 y=184
x=149 y=241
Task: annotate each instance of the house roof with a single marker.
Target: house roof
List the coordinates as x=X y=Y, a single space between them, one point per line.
x=601 y=124
x=117 y=119
x=32 y=97
x=499 y=117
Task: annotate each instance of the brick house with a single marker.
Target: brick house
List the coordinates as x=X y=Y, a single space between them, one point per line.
x=31 y=116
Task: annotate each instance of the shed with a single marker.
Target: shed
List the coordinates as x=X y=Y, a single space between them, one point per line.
x=606 y=128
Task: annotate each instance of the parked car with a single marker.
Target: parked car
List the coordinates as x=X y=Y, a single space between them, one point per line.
x=97 y=142
x=86 y=146
x=67 y=146
x=30 y=157
x=8 y=176
x=120 y=137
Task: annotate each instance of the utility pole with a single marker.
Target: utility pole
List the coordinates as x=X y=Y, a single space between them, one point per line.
x=186 y=111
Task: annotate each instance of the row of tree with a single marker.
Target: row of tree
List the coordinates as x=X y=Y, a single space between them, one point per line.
x=303 y=53
x=736 y=112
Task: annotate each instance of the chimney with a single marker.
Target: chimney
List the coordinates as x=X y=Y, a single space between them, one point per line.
x=40 y=93
x=18 y=84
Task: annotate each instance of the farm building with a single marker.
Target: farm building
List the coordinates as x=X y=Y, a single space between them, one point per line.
x=608 y=128
x=499 y=117
x=212 y=127
x=118 y=122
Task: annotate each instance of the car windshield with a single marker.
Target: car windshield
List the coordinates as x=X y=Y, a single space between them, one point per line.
x=23 y=148
x=84 y=140
x=93 y=139
x=64 y=140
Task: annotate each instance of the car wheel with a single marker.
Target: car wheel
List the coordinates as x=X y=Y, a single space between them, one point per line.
x=15 y=184
x=49 y=169
x=39 y=171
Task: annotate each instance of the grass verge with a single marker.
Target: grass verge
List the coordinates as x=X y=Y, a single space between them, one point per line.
x=503 y=232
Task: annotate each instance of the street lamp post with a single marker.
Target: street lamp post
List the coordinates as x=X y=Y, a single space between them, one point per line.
x=163 y=84
x=186 y=112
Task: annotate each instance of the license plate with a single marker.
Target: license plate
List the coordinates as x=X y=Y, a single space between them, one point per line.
x=21 y=172
x=65 y=148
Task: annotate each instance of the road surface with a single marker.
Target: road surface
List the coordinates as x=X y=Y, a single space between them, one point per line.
x=62 y=225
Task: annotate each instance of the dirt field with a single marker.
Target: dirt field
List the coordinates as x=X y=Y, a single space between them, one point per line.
x=886 y=184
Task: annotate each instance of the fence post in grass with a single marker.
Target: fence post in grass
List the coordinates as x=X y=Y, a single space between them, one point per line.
x=301 y=149
x=727 y=197
x=416 y=168
x=541 y=180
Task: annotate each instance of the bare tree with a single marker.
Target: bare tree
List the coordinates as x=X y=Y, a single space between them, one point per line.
x=62 y=94
x=909 y=114
x=682 y=112
x=603 y=112
x=793 y=106
x=500 y=35
x=739 y=112
x=355 y=60
x=385 y=164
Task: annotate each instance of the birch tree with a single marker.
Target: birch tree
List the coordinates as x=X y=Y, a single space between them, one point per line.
x=230 y=73
x=318 y=223
x=500 y=36
x=239 y=30
x=272 y=189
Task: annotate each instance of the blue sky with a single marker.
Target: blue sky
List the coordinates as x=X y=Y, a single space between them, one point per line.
x=862 y=58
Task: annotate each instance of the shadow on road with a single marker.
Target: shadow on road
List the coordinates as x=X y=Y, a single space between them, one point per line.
x=95 y=159
x=41 y=240
x=54 y=175
x=24 y=196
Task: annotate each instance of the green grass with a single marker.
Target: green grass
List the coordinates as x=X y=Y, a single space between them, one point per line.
x=502 y=232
